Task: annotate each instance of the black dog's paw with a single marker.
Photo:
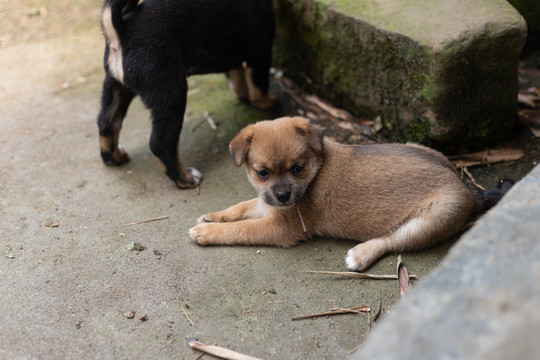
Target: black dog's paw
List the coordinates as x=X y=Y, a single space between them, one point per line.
x=116 y=158
x=191 y=181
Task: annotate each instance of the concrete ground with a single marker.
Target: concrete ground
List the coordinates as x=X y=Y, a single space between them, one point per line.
x=68 y=276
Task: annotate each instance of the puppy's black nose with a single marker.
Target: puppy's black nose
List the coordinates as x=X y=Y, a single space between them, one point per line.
x=283 y=196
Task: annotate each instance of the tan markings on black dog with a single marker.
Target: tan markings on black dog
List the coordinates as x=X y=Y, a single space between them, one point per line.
x=187 y=177
x=256 y=96
x=161 y=164
x=115 y=63
x=237 y=82
x=391 y=197
x=109 y=144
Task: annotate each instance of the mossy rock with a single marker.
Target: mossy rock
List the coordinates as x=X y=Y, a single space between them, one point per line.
x=439 y=73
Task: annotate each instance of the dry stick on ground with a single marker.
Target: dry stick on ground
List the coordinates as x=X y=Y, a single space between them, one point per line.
x=331 y=110
x=336 y=308
x=187 y=316
x=361 y=309
x=317 y=107
x=312 y=103
x=466 y=171
x=147 y=220
x=220 y=351
x=489 y=156
x=199 y=123
x=359 y=275
x=371 y=320
x=200 y=356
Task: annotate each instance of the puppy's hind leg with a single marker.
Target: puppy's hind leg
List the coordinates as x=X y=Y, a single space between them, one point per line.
x=115 y=100
x=433 y=221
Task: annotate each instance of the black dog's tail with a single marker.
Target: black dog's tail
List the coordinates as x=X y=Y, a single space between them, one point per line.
x=488 y=198
x=115 y=11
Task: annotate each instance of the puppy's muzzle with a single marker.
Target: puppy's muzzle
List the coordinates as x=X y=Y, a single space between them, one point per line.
x=281 y=193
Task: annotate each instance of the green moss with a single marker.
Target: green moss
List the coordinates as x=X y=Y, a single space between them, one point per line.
x=447 y=89
x=431 y=89
x=417 y=131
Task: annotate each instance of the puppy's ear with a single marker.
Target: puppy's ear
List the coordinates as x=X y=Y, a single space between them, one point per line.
x=240 y=144
x=312 y=133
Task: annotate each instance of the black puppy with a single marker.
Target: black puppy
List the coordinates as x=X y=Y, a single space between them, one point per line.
x=151 y=48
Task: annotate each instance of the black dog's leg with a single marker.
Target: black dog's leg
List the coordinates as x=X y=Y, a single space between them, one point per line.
x=258 y=82
x=168 y=106
x=115 y=100
x=237 y=83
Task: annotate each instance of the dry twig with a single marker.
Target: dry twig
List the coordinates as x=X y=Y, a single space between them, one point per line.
x=147 y=220
x=187 y=316
x=489 y=156
x=356 y=348
x=220 y=351
x=337 y=311
x=359 y=275
x=466 y=171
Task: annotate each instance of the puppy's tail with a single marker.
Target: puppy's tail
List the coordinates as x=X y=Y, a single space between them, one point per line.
x=115 y=13
x=488 y=198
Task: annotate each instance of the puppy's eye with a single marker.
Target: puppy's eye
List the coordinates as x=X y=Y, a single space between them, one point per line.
x=263 y=174
x=297 y=169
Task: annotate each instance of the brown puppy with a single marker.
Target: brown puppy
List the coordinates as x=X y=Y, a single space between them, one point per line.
x=391 y=197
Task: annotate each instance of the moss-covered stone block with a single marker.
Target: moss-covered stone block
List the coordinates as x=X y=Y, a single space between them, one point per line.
x=439 y=72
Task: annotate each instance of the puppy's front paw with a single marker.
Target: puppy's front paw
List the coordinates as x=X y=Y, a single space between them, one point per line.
x=197 y=234
x=210 y=218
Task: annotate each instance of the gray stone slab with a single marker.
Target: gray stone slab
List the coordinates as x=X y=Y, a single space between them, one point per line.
x=440 y=72
x=483 y=301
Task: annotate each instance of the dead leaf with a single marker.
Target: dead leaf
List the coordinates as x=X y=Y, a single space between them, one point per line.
x=9 y=254
x=133 y=246
x=531 y=119
x=403 y=277
x=377 y=125
x=527 y=99
x=51 y=223
x=488 y=156
x=530 y=72
x=139 y=247
x=220 y=351
x=193 y=92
